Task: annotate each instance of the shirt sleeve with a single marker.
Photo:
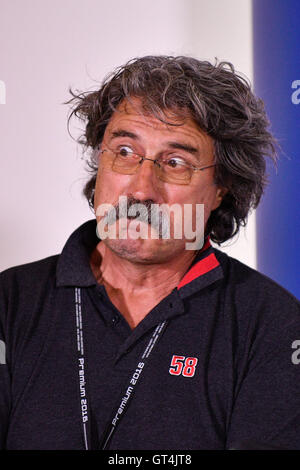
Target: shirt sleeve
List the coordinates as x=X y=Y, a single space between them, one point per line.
x=4 y=373
x=266 y=407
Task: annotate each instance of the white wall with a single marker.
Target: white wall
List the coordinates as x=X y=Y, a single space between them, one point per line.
x=47 y=46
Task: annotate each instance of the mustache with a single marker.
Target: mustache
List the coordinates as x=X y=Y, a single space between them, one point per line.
x=146 y=211
x=141 y=213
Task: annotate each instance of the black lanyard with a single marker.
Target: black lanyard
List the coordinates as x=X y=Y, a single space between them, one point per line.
x=81 y=362
x=123 y=402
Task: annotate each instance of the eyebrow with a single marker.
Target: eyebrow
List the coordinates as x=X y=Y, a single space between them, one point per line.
x=187 y=148
x=123 y=133
x=175 y=145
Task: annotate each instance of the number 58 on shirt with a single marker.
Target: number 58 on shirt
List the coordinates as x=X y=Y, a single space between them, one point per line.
x=181 y=365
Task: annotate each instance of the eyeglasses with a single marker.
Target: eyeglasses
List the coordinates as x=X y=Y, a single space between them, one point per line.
x=168 y=168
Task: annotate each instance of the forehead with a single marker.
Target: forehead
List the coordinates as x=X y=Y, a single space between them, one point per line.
x=132 y=116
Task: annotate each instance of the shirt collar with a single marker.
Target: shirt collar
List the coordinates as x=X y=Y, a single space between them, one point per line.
x=73 y=268
x=205 y=270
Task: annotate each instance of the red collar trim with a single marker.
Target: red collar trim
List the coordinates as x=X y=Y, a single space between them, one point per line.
x=202 y=267
x=206 y=245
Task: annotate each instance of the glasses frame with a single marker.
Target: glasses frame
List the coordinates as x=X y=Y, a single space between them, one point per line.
x=156 y=162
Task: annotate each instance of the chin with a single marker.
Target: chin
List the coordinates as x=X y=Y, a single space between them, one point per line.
x=144 y=251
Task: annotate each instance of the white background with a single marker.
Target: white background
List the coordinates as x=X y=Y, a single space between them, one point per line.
x=46 y=46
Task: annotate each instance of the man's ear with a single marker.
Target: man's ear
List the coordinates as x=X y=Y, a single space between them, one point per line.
x=219 y=197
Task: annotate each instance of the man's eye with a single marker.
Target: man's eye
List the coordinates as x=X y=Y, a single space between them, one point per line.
x=125 y=151
x=175 y=162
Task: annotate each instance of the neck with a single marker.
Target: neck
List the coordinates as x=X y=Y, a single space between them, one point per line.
x=127 y=276
x=134 y=288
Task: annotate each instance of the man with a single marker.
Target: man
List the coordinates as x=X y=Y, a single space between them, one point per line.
x=132 y=341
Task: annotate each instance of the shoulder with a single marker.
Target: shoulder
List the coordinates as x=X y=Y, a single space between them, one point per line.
x=252 y=298
x=263 y=315
x=23 y=291
x=29 y=275
x=248 y=283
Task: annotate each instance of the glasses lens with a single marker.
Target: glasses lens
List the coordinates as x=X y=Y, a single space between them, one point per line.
x=128 y=164
x=125 y=163
x=120 y=162
x=174 y=173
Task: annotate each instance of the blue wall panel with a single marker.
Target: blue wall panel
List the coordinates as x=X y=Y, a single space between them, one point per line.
x=276 y=35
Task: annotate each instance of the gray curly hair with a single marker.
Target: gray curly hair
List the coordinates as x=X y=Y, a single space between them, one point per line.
x=221 y=103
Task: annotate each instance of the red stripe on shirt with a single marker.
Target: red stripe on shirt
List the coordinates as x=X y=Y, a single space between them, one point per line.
x=202 y=267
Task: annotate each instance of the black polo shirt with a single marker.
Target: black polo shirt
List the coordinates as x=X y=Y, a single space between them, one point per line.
x=215 y=362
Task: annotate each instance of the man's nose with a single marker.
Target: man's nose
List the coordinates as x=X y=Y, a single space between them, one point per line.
x=145 y=183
